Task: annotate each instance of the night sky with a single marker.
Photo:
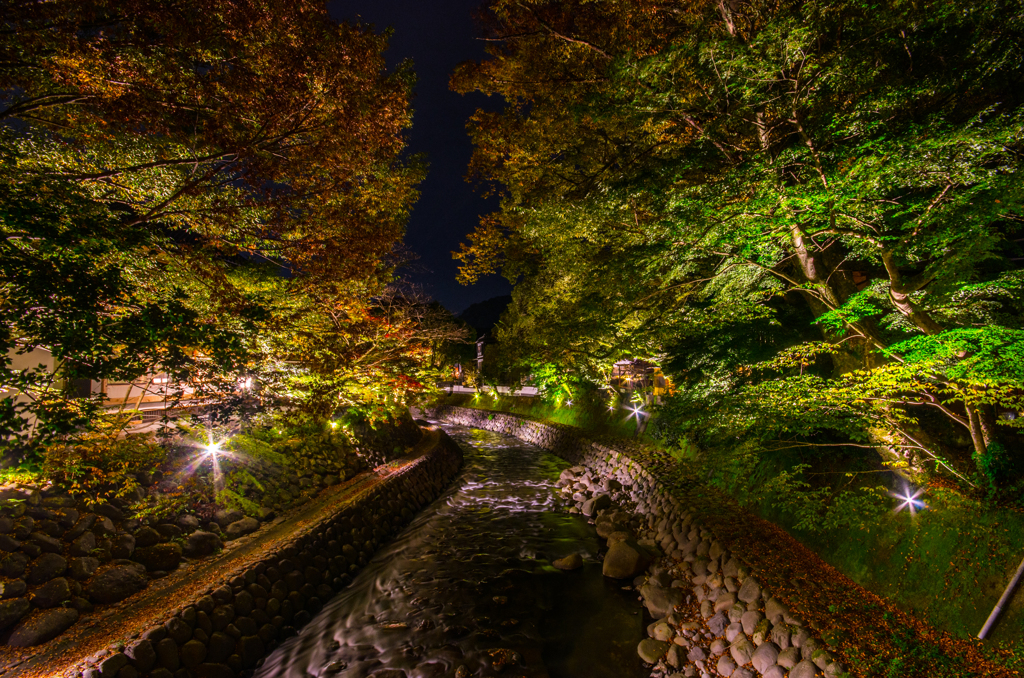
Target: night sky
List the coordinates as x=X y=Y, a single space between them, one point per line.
x=437 y=36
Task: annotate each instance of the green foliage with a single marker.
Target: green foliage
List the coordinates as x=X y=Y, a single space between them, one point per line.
x=100 y=463
x=230 y=497
x=167 y=505
x=861 y=306
x=25 y=473
x=291 y=441
x=66 y=264
x=555 y=384
x=820 y=509
x=259 y=444
x=808 y=214
x=911 y=653
x=998 y=468
x=312 y=448
x=138 y=190
x=325 y=351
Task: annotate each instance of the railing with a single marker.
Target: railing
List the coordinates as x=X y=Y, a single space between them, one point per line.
x=502 y=390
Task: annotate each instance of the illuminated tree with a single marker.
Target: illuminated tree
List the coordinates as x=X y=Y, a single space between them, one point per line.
x=667 y=171
x=151 y=150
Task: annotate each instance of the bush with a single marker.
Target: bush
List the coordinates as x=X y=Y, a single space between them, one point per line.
x=306 y=444
x=168 y=505
x=100 y=463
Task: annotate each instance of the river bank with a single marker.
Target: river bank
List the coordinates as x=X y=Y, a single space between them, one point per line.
x=719 y=547
x=219 y=618
x=472 y=587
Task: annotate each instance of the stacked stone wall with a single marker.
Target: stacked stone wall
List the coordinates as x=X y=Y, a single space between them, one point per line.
x=227 y=629
x=752 y=630
x=63 y=559
x=386 y=442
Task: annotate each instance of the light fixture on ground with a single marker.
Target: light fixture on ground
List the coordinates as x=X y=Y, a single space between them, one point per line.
x=910 y=499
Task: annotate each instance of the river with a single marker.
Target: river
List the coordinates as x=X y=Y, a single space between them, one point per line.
x=467 y=589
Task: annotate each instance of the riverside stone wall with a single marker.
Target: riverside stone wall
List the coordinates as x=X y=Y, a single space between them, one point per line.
x=61 y=558
x=712 y=614
x=241 y=617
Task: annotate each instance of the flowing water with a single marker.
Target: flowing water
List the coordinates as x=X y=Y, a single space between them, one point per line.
x=468 y=589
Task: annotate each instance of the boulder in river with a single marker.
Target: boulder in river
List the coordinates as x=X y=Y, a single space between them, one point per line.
x=570 y=562
x=606 y=526
x=592 y=506
x=625 y=560
x=616 y=537
x=661 y=601
x=651 y=650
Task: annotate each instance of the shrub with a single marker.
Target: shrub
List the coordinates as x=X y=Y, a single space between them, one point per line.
x=100 y=463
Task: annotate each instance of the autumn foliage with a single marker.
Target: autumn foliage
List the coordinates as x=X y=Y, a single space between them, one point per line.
x=189 y=187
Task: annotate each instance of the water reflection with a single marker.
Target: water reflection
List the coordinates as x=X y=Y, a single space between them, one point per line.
x=468 y=590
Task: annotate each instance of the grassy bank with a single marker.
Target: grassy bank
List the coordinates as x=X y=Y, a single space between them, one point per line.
x=593 y=417
x=946 y=565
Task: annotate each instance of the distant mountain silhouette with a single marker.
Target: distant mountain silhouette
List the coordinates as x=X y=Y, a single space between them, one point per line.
x=484 y=315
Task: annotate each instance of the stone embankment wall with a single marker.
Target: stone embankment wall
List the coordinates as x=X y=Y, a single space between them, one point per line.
x=240 y=618
x=61 y=558
x=712 y=614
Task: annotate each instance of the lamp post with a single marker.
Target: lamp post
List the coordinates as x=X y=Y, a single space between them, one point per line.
x=1004 y=600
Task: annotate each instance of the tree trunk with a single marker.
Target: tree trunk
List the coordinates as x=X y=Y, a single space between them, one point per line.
x=987 y=419
x=899 y=294
x=977 y=435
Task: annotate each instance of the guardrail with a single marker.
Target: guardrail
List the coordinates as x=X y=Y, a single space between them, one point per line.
x=502 y=390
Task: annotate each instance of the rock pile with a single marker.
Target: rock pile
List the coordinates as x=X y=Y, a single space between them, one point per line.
x=60 y=557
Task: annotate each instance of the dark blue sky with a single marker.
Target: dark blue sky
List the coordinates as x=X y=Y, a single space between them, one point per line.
x=437 y=36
